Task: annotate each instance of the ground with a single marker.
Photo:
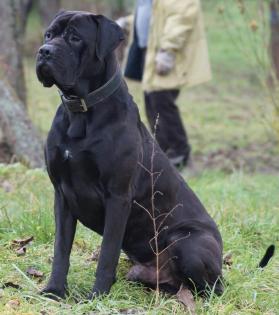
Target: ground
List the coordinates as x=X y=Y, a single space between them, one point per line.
x=235 y=174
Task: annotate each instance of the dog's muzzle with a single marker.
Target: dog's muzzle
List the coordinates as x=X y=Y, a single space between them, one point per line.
x=45 y=52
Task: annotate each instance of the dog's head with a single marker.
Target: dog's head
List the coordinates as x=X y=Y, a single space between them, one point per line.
x=75 y=45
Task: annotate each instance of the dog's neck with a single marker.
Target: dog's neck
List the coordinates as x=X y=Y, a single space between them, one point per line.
x=84 y=86
x=77 y=121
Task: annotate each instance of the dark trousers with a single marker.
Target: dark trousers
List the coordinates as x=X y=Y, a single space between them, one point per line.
x=170 y=133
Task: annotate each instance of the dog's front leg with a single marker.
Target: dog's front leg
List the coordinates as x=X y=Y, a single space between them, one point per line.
x=65 y=227
x=117 y=213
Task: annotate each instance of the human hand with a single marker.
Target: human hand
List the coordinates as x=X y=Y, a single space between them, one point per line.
x=165 y=62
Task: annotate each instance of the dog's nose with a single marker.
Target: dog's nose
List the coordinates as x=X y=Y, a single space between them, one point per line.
x=46 y=51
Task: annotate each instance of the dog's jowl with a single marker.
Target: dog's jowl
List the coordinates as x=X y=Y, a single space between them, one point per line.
x=99 y=156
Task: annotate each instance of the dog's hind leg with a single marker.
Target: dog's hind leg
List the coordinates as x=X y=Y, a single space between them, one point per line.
x=197 y=261
x=147 y=275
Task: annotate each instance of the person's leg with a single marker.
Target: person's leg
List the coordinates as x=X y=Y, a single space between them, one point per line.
x=171 y=134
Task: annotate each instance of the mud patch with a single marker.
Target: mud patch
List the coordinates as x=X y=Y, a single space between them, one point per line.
x=255 y=158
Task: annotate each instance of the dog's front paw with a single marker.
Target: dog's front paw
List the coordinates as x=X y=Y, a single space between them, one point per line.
x=102 y=286
x=97 y=293
x=92 y=296
x=55 y=294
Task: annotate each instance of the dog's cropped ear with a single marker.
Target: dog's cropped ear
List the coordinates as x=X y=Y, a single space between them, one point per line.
x=109 y=36
x=62 y=15
x=60 y=12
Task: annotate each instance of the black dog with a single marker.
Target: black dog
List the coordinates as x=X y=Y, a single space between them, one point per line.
x=99 y=159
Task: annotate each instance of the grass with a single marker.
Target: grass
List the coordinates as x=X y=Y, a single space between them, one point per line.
x=245 y=207
x=237 y=159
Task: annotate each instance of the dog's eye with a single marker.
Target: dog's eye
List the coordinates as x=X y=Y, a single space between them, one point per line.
x=48 y=35
x=74 y=38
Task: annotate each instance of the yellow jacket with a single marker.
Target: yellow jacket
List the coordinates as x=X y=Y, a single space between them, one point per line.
x=177 y=26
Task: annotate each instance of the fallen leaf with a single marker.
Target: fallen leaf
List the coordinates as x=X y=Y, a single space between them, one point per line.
x=81 y=244
x=22 y=242
x=21 y=251
x=11 y=285
x=34 y=273
x=254 y=25
x=13 y=304
x=128 y=311
x=227 y=259
x=185 y=296
x=95 y=254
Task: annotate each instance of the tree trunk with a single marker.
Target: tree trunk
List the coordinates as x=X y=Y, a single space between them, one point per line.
x=11 y=46
x=18 y=131
x=274 y=38
x=48 y=10
x=25 y=9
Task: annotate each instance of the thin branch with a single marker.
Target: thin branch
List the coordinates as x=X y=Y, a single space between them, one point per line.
x=169 y=213
x=146 y=169
x=156 y=179
x=153 y=250
x=142 y=207
x=153 y=209
x=166 y=262
x=150 y=241
x=158 y=192
x=157 y=233
x=174 y=242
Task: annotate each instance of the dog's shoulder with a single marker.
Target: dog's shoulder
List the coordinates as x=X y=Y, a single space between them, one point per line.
x=59 y=121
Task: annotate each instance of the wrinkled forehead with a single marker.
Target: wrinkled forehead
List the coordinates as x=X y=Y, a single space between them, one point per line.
x=82 y=22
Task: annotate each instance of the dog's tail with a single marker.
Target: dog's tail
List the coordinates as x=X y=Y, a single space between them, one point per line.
x=267 y=256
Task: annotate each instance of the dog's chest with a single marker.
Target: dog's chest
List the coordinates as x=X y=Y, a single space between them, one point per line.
x=76 y=174
x=72 y=165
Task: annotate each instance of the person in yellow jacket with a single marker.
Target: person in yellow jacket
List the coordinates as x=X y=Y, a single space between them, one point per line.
x=168 y=51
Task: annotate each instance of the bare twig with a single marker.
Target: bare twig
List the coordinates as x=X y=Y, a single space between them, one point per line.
x=166 y=262
x=146 y=169
x=168 y=214
x=142 y=207
x=158 y=226
x=174 y=242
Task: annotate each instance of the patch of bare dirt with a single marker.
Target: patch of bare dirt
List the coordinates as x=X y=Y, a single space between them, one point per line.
x=255 y=158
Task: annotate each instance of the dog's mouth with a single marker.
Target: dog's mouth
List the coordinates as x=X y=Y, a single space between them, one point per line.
x=45 y=73
x=50 y=72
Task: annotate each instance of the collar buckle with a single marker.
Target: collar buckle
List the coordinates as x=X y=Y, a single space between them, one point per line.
x=73 y=104
x=83 y=105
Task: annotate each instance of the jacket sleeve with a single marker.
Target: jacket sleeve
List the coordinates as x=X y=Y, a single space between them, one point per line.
x=181 y=18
